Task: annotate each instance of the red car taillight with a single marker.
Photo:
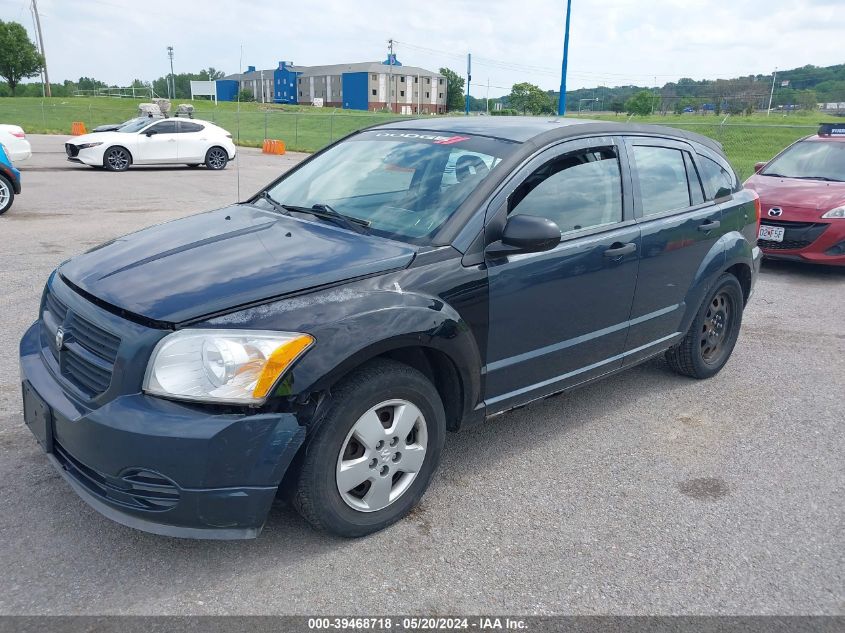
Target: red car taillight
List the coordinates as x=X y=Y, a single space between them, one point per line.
x=19 y=134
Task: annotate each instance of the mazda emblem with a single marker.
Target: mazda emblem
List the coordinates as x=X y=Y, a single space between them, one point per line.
x=775 y=212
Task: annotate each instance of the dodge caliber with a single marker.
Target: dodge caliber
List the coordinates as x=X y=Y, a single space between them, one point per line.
x=320 y=339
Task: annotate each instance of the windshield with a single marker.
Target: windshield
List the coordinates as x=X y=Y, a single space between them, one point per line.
x=135 y=125
x=812 y=160
x=404 y=184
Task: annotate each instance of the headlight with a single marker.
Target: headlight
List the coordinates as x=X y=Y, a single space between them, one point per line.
x=87 y=145
x=838 y=212
x=234 y=366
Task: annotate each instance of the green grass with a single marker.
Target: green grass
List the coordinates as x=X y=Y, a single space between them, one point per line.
x=302 y=128
x=746 y=139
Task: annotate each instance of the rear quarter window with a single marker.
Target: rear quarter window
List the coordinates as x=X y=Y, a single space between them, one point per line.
x=714 y=177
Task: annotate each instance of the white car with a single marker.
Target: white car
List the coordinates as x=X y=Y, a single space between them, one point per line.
x=155 y=142
x=14 y=138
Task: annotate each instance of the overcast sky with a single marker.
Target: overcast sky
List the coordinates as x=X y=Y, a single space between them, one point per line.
x=612 y=42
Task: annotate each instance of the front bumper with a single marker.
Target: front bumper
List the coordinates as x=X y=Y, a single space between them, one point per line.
x=820 y=242
x=161 y=466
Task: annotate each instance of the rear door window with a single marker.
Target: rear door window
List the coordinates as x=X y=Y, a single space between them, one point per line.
x=186 y=127
x=662 y=176
x=165 y=127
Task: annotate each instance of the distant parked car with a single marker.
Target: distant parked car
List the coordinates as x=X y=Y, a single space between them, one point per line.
x=10 y=180
x=113 y=127
x=802 y=192
x=13 y=137
x=146 y=141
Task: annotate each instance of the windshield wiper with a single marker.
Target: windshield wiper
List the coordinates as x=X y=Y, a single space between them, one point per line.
x=825 y=178
x=278 y=206
x=326 y=212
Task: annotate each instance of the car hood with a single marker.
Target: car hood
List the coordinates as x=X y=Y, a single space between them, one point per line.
x=217 y=261
x=795 y=192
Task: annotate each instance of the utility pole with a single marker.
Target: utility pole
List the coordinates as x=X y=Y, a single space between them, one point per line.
x=469 y=78
x=487 y=99
x=171 y=86
x=34 y=7
x=390 y=75
x=772 y=93
x=561 y=103
x=655 y=95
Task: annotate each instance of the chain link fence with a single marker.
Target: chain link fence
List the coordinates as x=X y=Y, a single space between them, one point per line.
x=744 y=143
x=300 y=131
x=748 y=143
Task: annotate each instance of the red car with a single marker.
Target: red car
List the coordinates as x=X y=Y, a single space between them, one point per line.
x=802 y=194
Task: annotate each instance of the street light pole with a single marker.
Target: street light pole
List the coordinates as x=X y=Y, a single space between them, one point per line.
x=561 y=104
x=46 y=86
x=171 y=86
x=772 y=93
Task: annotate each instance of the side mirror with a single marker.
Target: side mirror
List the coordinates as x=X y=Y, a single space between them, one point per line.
x=525 y=234
x=758 y=167
x=150 y=132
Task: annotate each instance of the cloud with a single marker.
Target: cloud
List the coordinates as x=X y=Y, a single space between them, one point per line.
x=613 y=42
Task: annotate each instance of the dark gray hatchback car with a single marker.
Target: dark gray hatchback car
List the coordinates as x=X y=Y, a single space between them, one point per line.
x=414 y=278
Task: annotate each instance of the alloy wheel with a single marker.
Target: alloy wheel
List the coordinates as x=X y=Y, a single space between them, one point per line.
x=117 y=159
x=381 y=455
x=216 y=158
x=5 y=193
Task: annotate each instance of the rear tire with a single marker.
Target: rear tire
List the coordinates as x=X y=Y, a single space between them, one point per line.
x=7 y=194
x=117 y=158
x=216 y=158
x=374 y=451
x=709 y=342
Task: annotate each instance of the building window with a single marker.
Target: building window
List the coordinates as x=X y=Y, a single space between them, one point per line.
x=427 y=95
x=401 y=93
x=428 y=80
x=375 y=77
x=440 y=95
x=416 y=79
x=374 y=92
x=441 y=81
x=300 y=93
x=402 y=79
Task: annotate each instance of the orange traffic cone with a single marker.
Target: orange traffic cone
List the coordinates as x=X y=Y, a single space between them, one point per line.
x=77 y=128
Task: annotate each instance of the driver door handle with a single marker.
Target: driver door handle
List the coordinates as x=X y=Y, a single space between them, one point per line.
x=618 y=249
x=709 y=225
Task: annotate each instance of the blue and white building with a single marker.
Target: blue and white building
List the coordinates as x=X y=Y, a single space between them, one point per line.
x=360 y=86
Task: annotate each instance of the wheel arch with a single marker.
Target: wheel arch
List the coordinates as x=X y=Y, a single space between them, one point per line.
x=450 y=377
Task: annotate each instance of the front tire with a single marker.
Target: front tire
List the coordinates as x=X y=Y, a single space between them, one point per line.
x=117 y=158
x=374 y=450
x=709 y=342
x=216 y=158
x=7 y=194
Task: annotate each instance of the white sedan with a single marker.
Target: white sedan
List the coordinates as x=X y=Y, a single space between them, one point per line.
x=14 y=138
x=155 y=142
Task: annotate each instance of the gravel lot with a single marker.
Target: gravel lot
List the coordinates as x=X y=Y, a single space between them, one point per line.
x=645 y=493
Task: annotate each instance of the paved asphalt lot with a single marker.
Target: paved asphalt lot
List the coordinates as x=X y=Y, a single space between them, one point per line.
x=646 y=493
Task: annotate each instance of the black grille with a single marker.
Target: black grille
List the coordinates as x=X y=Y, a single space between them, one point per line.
x=140 y=489
x=796 y=235
x=786 y=245
x=71 y=149
x=88 y=352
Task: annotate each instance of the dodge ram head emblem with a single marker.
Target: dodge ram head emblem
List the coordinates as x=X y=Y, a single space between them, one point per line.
x=60 y=339
x=775 y=212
